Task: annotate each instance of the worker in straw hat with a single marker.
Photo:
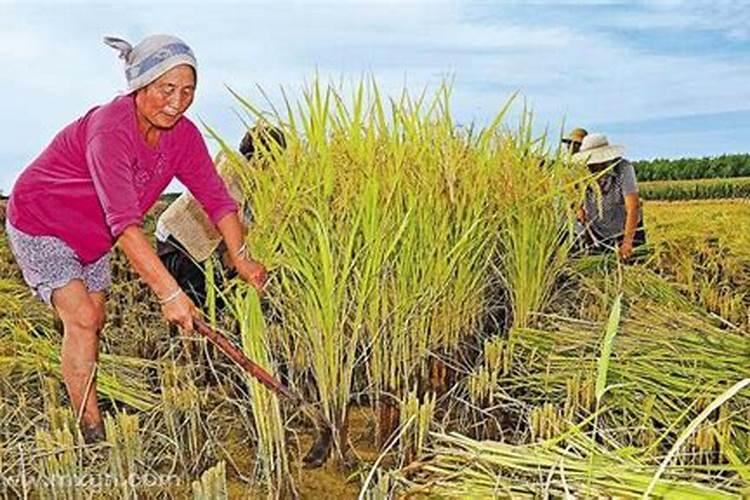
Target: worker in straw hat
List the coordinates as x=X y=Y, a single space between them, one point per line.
x=612 y=214
x=573 y=140
x=91 y=187
x=185 y=236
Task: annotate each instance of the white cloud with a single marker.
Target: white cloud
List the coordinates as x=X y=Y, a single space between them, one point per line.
x=730 y=17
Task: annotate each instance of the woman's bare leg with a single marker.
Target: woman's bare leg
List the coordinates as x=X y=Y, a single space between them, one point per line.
x=82 y=315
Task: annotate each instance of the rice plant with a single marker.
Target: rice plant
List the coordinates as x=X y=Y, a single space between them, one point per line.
x=181 y=413
x=212 y=484
x=27 y=347
x=59 y=466
x=384 y=226
x=126 y=451
x=271 y=450
x=422 y=412
x=667 y=355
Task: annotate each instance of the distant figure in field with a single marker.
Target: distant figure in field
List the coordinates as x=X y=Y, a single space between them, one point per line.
x=91 y=187
x=185 y=236
x=573 y=140
x=612 y=217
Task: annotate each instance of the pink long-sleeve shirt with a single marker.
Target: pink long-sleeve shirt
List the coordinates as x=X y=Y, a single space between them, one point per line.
x=98 y=176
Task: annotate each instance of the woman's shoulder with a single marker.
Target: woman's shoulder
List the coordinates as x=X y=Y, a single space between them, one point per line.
x=118 y=114
x=186 y=128
x=185 y=136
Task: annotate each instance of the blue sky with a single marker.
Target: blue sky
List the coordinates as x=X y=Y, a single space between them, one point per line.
x=664 y=78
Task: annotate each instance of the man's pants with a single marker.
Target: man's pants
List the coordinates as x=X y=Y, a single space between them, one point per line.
x=189 y=274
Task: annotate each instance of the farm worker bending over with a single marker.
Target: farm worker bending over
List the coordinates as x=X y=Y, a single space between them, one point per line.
x=573 y=140
x=612 y=215
x=185 y=235
x=90 y=189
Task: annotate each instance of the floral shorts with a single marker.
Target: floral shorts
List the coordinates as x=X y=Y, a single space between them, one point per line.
x=48 y=263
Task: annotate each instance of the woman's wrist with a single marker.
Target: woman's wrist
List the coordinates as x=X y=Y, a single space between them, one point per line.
x=167 y=290
x=240 y=256
x=171 y=297
x=241 y=253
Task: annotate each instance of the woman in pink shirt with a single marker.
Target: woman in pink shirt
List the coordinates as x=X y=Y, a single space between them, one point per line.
x=90 y=189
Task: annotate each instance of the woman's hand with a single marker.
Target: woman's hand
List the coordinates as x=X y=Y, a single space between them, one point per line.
x=180 y=311
x=249 y=270
x=581 y=215
x=176 y=307
x=252 y=272
x=626 y=249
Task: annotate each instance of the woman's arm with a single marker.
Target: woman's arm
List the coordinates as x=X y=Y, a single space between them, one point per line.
x=200 y=176
x=176 y=306
x=197 y=172
x=632 y=202
x=249 y=270
x=231 y=230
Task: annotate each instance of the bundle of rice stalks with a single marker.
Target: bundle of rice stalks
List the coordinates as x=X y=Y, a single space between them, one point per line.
x=27 y=348
x=668 y=360
x=465 y=468
x=17 y=303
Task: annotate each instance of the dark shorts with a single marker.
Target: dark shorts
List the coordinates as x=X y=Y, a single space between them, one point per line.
x=191 y=276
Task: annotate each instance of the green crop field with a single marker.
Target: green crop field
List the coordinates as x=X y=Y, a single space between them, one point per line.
x=425 y=297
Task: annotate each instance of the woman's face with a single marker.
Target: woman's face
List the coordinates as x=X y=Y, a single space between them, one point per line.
x=598 y=167
x=166 y=99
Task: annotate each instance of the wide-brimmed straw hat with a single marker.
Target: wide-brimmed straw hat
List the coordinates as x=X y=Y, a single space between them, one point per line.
x=575 y=135
x=595 y=148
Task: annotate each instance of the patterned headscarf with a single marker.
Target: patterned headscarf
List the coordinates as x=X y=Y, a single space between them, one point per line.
x=151 y=58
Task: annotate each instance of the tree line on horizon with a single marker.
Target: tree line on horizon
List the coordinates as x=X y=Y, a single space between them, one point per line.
x=723 y=166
